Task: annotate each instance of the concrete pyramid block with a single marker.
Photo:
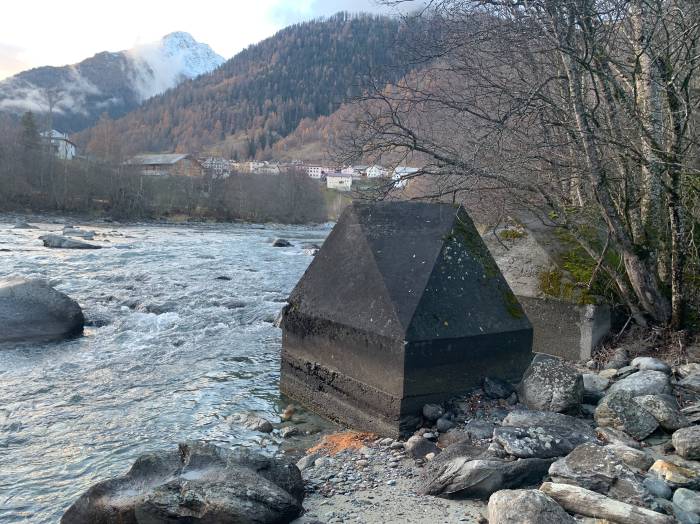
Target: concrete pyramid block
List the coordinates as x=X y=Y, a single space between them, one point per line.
x=403 y=305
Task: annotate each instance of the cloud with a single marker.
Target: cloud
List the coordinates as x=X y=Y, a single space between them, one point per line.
x=69 y=96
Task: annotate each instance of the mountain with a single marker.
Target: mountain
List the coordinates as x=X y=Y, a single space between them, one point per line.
x=112 y=83
x=262 y=94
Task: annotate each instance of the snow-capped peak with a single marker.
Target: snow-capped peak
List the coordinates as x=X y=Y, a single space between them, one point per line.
x=197 y=58
x=163 y=64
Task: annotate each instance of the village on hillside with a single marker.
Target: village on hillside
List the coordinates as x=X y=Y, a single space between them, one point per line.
x=217 y=167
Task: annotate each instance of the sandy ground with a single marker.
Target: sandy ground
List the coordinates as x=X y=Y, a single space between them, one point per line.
x=390 y=505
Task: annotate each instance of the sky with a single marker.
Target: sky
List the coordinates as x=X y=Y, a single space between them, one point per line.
x=45 y=32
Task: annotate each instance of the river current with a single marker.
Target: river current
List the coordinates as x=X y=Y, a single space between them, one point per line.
x=171 y=353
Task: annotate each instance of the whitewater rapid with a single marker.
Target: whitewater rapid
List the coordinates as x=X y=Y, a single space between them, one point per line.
x=181 y=337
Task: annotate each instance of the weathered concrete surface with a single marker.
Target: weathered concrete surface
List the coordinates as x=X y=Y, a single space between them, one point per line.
x=402 y=306
x=564 y=329
x=561 y=328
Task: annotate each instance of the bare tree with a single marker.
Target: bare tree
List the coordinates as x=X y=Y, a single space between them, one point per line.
x=580 y=111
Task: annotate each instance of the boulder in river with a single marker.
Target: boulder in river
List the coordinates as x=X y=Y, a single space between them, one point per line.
x=58 y=241
x=252 y=422
x=33 y=310
x=281 y=242
x=21 y=224
x=197 y=482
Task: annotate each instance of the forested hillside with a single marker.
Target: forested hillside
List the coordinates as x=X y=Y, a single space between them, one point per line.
x=304 y=71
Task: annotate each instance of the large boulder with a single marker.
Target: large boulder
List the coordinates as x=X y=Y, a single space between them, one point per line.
x=551 y=385
x=541 y=434
x=687 y=442
x=620 y=411
x=61 y=242
x=467 y=471
x=665 y=410
x=600 y=469
x=525 y=506
x=645 y=382
x=33 y=310
x=197 y=482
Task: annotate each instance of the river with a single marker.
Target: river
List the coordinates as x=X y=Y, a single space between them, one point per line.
x=172 y=353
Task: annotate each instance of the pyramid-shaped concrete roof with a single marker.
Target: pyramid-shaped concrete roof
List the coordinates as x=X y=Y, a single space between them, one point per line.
x=408 y=270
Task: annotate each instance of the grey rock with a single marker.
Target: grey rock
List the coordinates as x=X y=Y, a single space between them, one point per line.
x=196 y=483
x=432 y=412
x=497 y=388
x=444 y=424
x=634 y=458
x=692 y=413
x=541 y=441
x=307 y=461
x=599 y=469
x=616 y=436
x=658 y=488
x=479 y=429
x=61 y=242
x=75 y=232
x=594 y=387
x=619 y=410
x=551 y=385
x=20 y=224
x=525 y=506
x=646 y=382
x=687 y=442
x=481 y=477
x=33 y=310
x=665 y=410
x=525 y=418
x=252 y=422
x=281 y=242
x=684 y=517
x=690 y=382
x=418 y=447
x=687 y=500
x=289 y=431
x=651 y=363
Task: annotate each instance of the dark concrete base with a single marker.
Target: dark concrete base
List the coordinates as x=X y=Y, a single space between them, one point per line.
x=343 y=399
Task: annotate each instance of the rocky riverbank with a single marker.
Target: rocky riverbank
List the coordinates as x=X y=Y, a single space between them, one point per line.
x=572 y=444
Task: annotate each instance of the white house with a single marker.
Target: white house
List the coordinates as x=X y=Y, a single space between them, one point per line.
x=376 y=171
x=339 y=181
x=402 y=174
x=317 y=171
x=60 y=145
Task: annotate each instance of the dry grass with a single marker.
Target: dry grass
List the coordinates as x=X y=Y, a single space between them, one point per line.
x=674 y=347
x=337 y=442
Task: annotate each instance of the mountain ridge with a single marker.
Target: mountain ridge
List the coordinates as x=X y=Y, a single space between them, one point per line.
x=305 y=70
x=108 y=82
